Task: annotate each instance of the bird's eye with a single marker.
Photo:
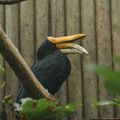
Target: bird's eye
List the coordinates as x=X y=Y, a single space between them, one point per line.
x=53 y=46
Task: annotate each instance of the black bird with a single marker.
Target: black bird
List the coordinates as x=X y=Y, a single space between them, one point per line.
x=53 y=66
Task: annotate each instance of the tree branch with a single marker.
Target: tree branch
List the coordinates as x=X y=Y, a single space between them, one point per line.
x=21 y=69
x=9 y=2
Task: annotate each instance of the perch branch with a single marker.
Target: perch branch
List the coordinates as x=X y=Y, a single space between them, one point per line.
x=9 y=2
x=21 y=69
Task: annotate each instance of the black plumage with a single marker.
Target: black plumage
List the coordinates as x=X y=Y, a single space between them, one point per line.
x=52 y=68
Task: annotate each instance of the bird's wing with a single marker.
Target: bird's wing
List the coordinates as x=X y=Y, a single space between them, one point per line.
x=52 y=71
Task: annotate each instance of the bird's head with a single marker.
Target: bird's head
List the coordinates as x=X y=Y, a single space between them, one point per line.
x=64 y=44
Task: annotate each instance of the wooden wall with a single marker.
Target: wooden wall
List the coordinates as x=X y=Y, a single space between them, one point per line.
x=28 y=23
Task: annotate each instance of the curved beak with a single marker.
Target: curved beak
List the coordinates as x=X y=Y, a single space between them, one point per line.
x=66 y=46
x=72 y=48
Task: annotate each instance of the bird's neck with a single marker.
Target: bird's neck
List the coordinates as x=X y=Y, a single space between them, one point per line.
x=46 y=49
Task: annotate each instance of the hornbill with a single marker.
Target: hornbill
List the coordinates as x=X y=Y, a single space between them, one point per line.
x=53 y=66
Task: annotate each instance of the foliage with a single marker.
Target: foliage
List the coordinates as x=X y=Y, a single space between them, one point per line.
x=114 y=101
x=2 y=70
x=111 y=82
x=7 y=99
x=43 y=109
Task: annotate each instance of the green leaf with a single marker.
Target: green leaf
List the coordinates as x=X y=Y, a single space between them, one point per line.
x=7 y=100
x=106 y=72
x=2 y=70
x=112 y=78
x=2 y=84
x=116 y=59
x=112 y=86
x=114 y=101
x=103 y=103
